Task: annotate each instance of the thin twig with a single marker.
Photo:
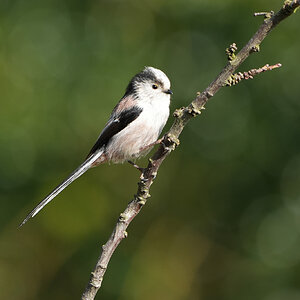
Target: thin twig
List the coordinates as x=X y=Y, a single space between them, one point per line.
x=266 y=14
x=170 y=141
x=237 y=77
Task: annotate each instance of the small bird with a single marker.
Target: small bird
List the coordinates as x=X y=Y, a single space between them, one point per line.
x=132 y=129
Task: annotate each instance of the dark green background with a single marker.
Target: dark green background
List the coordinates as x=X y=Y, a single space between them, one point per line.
x=223 y=222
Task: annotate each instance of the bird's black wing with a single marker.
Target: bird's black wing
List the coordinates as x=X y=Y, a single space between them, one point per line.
x=117 y=122
x=115 y=125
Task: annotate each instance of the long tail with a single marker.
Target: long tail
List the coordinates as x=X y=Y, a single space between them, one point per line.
x=77 y=173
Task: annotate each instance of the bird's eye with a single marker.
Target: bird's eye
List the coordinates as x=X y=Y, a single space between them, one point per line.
x=154 y=86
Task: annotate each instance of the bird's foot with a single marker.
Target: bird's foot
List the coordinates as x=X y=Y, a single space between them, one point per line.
x=136 y=166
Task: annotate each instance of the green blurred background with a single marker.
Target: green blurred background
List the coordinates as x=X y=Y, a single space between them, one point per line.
x=223 y=222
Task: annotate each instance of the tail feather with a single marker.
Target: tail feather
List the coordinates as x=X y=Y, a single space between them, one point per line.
x=77 y=173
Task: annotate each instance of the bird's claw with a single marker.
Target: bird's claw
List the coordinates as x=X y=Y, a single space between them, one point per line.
x=136 y=166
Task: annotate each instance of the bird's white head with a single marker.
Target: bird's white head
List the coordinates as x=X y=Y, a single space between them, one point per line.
x=151 y=84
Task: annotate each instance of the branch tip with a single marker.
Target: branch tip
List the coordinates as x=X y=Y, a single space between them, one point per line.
x=237 y=77
x=265 y=14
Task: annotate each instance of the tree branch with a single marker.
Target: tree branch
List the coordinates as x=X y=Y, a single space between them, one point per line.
x=170 y=140
x=237 y=77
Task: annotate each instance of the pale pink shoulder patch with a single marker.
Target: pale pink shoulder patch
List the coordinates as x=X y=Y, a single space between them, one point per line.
x=125 y=103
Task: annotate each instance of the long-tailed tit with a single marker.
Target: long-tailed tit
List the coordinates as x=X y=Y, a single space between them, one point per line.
x=133 y=127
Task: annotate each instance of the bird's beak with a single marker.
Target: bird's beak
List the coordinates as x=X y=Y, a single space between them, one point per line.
x=169 y=92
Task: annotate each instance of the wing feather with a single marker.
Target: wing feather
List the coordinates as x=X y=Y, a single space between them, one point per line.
x=116 y=123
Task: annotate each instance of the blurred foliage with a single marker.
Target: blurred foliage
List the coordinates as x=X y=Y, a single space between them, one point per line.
x=223 y=220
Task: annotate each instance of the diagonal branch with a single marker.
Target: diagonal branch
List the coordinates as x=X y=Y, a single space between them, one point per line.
x=170 y=141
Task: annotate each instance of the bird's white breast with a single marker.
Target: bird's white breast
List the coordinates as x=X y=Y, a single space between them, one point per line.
x=144 y=130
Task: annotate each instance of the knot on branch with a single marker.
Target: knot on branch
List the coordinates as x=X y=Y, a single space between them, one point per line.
x=142 y=199
x=95 y=282
x=230 y=51
x=170 y=142
x=178 y=113
x=208 y=95
x=237 y=77
x=123 y=218
x=151 y=165
x=255 y=49
x=143 y=193
x=194 y=110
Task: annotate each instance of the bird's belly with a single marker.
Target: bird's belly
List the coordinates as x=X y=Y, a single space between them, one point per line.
x=129 y=143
